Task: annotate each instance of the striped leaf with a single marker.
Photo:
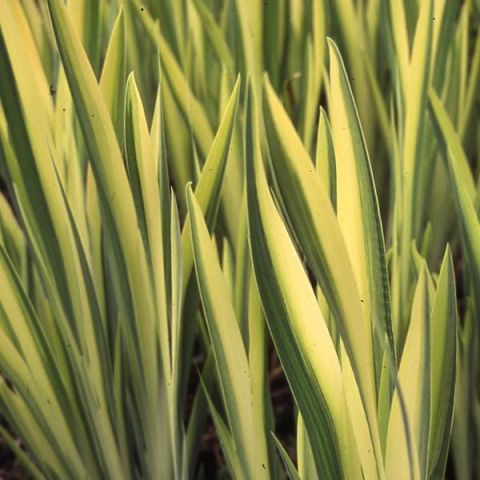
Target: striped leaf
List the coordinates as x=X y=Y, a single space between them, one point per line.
x=313 y=220
x=231 y=359
x=297 y=327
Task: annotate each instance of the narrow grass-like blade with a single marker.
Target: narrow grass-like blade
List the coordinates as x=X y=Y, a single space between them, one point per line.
x=297 y=327
x=113 y=75
x=357 y=208
x=231 y=358
x=462 y=185
x=443 y=363
x=313 y=220
x=407 y=441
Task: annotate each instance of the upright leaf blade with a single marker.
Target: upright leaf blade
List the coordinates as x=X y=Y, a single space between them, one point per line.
x=299 y=332
x=357 y=207
x=443 y=362
x=313 y=220
x=407 y=439
x=231 y=358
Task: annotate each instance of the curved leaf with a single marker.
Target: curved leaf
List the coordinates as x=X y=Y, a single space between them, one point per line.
x=313 y=220
x=357 y=207
x=231 y=358
x=297 y=327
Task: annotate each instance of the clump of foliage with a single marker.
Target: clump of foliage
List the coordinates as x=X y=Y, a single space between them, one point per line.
x=216 y=176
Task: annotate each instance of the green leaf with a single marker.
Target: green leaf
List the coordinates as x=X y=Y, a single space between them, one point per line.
x=357 y=208
x=310 y=212
x=210 y=182
x=231 y=359
x=408 y=428
x=287 y=462
x=189 y=105
x=463 y=188
x=30 y=140
x=113 y=74
x=21 y=455
x=415 y=174
x=305 y=458
x=443 y=326
x=275 y=35
x=250 y=16
x=215 y=36
x=114 y=191
x=297 y=327
x=325 y=157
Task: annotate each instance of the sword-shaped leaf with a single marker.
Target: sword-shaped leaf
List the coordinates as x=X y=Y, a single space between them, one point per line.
x=231 y=358
x=443 y=327
x=297 y=327
x=310 y=212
